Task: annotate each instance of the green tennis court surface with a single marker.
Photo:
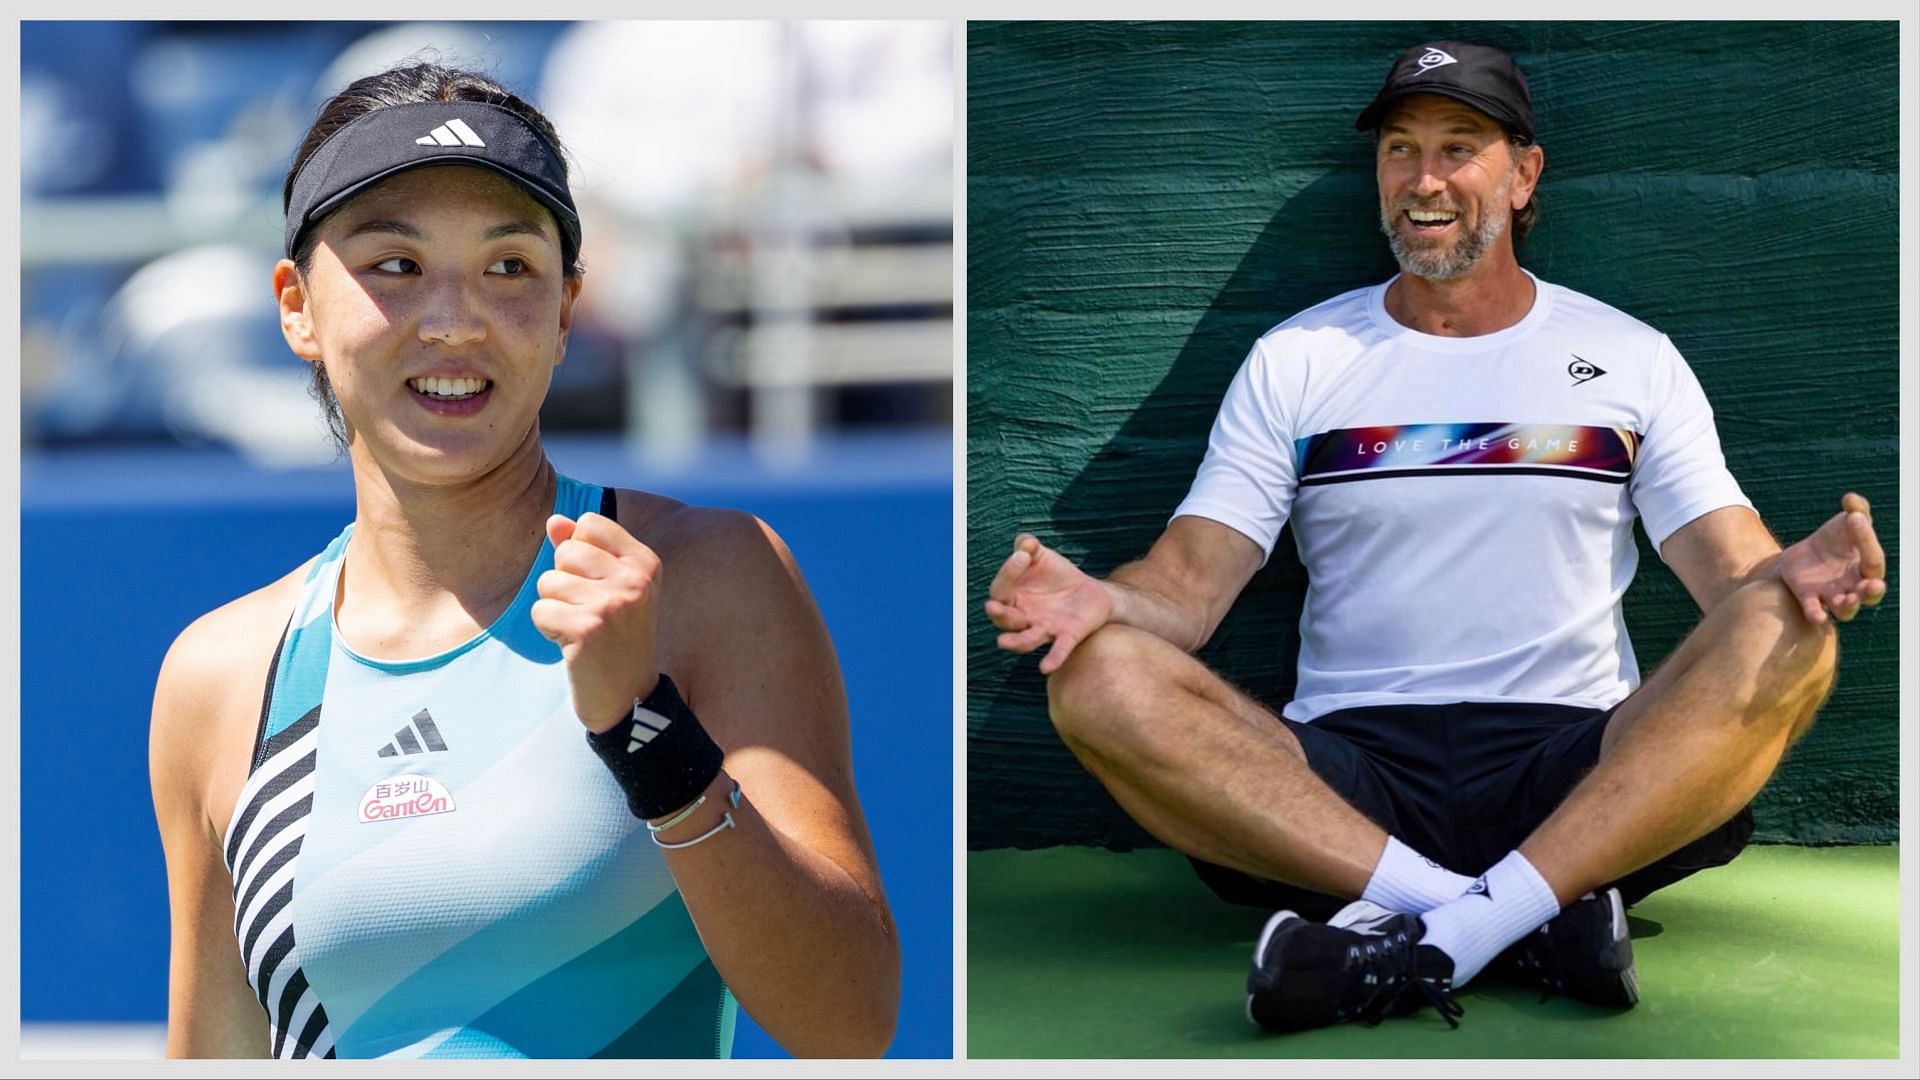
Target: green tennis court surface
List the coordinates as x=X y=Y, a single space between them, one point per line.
x=1788 y=952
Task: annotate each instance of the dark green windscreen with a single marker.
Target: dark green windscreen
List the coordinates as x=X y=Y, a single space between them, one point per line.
x=1143 y=201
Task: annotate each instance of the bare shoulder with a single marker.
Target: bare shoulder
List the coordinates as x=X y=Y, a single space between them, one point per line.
x=223 y=647
x=206 y=702
x=731 y=591
x=707 y=544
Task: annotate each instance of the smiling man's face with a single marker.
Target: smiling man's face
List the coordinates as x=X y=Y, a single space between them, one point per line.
x=1449 y=183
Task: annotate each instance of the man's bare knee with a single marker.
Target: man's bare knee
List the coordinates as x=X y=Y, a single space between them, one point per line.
x=1790 y=662
x=1090 y=696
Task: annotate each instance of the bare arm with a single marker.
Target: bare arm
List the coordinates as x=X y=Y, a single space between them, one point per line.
x=1839 y=568
x=1179 y=591
x=211 y=1009
x=1717 y=552
x=1186 y=583
x=789 y=902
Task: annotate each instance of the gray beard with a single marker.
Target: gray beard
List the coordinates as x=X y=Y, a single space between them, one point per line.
x=1444 y=264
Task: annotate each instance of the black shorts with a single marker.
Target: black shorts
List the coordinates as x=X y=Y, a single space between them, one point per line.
x=1462 y=784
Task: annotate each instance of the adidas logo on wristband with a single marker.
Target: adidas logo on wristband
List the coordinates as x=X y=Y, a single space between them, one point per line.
x=681 y=758
x=646 y=725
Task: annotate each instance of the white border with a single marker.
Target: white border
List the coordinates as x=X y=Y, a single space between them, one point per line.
x=962 y=609
x=1243 y=9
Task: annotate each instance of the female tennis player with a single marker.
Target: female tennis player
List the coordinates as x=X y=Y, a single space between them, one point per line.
x=518 y=766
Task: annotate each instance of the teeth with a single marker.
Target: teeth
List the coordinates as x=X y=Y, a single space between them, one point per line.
x=1429 y=217
x=441 y=387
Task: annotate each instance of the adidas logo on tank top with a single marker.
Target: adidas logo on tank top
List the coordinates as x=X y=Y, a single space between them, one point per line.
x=420 y=736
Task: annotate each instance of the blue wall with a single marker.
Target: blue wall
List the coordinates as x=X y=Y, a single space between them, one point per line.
x=120 y=550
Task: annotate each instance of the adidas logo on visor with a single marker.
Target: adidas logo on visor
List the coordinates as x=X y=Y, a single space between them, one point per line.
x=452 y=133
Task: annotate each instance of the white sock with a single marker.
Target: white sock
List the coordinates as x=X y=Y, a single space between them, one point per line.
x=1499 y=909
x=1405 y=880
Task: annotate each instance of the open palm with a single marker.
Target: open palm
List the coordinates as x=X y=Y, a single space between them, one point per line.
x=1840 y=567
x=1038 y=596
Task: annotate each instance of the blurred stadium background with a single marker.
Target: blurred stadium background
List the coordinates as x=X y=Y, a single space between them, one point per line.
x=766 y=323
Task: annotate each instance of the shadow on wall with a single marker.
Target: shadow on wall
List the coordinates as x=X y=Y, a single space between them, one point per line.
x=1123 y=180
x=1158 y=448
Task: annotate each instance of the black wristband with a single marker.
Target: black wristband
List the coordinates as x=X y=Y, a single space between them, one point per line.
x=660 y=756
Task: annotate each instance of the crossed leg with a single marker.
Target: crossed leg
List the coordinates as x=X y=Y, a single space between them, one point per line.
x=1694 y=744
x=1203 y=767
x=1214 y=775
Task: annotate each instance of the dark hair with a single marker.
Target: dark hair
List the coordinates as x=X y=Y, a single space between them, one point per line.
x=405 y=85
x=1524 y=217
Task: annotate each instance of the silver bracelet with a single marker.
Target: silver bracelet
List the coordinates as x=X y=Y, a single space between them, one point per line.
x=679 y=817
x=726 y=822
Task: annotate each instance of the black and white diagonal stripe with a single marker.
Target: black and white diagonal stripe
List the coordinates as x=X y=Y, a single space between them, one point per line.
x=263 y=847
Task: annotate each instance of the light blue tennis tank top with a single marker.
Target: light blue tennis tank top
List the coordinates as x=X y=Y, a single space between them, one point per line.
x=429 y=861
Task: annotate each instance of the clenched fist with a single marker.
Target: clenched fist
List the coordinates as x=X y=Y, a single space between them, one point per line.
x=597 y=604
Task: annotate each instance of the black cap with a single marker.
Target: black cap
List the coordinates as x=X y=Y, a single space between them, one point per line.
x=1480 y=75
x=394 y=139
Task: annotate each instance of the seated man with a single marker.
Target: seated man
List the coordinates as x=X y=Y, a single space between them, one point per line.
x=1462 y=452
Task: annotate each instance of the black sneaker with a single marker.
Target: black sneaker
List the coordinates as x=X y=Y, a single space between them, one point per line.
x=1359 y=965
x=1583 y=952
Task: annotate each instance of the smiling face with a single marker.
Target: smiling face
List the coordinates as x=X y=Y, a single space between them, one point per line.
x=1449 y=184
x=437 y=302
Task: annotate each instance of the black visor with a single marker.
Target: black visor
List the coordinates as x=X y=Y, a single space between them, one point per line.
x=401 y=137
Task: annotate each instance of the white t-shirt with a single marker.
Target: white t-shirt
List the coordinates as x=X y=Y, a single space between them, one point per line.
x=1463 y=506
